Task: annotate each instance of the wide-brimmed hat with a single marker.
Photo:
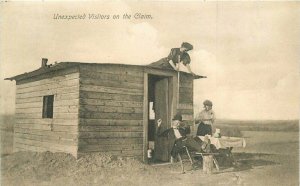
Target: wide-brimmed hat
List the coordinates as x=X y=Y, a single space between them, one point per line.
x=187 y=45
x=207 y=102
x=177 y=117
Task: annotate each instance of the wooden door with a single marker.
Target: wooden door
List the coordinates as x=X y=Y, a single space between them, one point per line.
x=161 y=112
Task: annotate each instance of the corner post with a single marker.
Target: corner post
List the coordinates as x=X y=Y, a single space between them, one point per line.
x=145 y=119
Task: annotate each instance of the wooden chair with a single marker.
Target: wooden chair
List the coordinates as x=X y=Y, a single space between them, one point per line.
x=185 y=149
x=207 y=157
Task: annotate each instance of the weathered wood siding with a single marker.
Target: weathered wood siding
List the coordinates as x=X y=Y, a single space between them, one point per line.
x=57 y=134
x=111 y=110
x=185 y=106
x=97 y=108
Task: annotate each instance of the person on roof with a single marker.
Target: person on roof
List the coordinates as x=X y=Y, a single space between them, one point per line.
x=176 y=56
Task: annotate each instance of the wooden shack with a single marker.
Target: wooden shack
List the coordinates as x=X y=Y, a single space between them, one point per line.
x=80 y=108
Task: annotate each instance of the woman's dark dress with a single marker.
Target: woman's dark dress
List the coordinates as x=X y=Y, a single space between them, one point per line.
x=174 y=55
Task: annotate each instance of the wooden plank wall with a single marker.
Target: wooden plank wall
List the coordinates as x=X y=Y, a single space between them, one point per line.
x=59 y=134
x=111 y=110
x=185 y=106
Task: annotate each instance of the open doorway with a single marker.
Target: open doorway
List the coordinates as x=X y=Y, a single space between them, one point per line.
x=159 y=107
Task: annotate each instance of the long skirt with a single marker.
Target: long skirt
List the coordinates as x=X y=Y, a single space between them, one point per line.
x=162 y=63
x=204 y=129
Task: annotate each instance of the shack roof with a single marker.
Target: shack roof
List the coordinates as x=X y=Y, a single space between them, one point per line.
x=65 y=65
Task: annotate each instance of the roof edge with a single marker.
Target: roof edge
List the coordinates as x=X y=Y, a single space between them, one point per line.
x=64 y=65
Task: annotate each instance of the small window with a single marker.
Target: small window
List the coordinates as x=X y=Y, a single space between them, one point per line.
x=48 y=106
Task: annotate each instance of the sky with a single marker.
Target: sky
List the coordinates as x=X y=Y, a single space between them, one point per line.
x=249 y=51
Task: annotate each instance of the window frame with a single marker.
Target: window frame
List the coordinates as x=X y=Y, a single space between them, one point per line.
x=48 y=107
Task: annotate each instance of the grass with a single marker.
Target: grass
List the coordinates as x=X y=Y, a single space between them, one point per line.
x=261 y=125
x=6 y=133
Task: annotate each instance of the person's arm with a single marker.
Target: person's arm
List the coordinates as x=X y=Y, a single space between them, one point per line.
x=213 y=118
x=185 y=126
x=187 y=129
x=186 y=60
x=173 y=65
x=170 y=57
x=198 y=118
x=160 y=132
x=189 y=69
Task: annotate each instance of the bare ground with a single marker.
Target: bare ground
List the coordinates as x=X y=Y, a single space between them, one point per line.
x=269 y=159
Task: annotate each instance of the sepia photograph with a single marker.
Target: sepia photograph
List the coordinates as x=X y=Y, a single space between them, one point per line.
x=149 y=93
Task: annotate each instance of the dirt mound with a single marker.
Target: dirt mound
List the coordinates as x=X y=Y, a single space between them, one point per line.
x=31 y=168
x=47 y=165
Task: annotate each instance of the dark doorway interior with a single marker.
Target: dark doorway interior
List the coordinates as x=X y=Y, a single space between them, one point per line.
x=159 y=101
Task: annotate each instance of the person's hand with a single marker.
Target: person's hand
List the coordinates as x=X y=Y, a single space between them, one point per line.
x=159 y=121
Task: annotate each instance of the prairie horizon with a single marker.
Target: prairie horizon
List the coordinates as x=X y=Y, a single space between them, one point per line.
x=7 y=119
